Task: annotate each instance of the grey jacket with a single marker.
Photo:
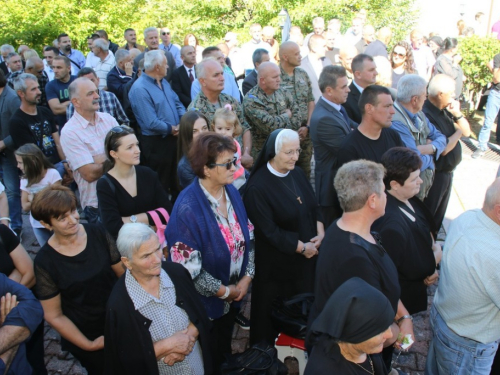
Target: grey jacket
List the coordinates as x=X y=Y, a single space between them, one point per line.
x=9 y=103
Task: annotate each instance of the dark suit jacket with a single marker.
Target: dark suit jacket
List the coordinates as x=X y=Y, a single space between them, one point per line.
x=3 y=66
x=351 y=105
x=250 y=82
x=328 y=129
x=170 y=62
x=181 y=84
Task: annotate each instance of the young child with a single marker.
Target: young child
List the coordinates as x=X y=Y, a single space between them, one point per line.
x=226 y=122
x=38 y=173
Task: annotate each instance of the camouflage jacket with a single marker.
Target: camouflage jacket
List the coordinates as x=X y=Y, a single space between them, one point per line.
x=265 y=113
x=299 y=86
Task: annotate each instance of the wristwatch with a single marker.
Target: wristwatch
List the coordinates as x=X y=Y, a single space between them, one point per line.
x=404 y=317
x=434 y=149
x=133 y=219
x=303 y=249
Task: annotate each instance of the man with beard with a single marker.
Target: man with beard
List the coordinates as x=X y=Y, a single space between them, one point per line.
x=75 y=57
x=34 y=65
x=32 y=123
x=57 y=90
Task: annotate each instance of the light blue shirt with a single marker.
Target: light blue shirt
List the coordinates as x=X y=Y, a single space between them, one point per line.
x=437 y=139
x=175 y=51
x=156 y=109
x=230 y=87
x=76 y=57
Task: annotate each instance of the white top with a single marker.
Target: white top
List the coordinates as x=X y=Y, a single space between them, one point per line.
x=275 y=172
x=50 y=177
x=102 y=69
x=468 y=296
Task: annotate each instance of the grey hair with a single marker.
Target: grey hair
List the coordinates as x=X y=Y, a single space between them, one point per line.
x=440 y=83
x=73 y=87
x=121 y=55
x=32 y=61
x=102 y=44
x=20 y=81
x=153 y=58
x=410 y=85
x=318 y=21
x=492 y=196
x=7 y=48
x=148 y=30
x=258 y=54
x=330 y=75
x=285 y=136
x=356 y=181
x=201 y=67
x=11 y=55
x=131 y=237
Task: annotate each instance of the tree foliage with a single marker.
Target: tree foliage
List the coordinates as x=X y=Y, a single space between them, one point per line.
x=476 y=53
x=38 y=22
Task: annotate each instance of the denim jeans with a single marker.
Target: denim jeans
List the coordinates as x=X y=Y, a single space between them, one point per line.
x=491 y=112
x=12 y=182
x=451 y=354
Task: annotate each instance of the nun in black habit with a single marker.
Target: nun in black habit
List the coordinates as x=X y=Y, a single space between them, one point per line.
x=350 y=332
x=281 y=204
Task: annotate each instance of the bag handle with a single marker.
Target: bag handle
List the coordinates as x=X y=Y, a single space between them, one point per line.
x=164 y=213
x=271 y=361
x=158 y=224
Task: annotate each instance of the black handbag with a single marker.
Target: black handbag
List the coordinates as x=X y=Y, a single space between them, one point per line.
x=290 y=316
x=260 y=359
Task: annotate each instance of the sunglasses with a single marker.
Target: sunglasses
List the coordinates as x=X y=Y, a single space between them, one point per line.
x=165 y=33
x=399 y=54
x=228 y=165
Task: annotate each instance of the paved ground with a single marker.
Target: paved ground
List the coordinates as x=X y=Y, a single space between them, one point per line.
x=471 y=179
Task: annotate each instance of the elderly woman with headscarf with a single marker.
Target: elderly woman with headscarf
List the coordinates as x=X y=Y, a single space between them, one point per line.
x=352 y=250
x=351 y=331
x=281 y=203
x=209 y=234
x=155 y=321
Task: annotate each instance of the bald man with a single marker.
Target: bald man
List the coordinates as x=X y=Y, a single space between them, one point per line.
x=35 y=66
x=296 y=81
x=367 y=37
x=314 y=62
x=267 y=107
x=346 y=55
x=379 y=46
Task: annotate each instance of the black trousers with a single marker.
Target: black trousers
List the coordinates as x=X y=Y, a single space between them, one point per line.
x=160 y=154
x=439 y=196
x=222 y=334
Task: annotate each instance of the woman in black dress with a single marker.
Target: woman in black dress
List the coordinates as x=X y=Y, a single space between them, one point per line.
x=350 y=332
x=281 y=204
x=75 y=272
x=406 y=228
x=128 y=191
x=350 y=249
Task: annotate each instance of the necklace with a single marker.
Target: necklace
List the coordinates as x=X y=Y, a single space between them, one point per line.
x=294 y=189
x=371 y=365
x=218 y=199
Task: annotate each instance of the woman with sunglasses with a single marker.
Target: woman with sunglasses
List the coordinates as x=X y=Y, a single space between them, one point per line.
x=402 y=62
x=281 y=203
x=209 y=234
x=128 y=191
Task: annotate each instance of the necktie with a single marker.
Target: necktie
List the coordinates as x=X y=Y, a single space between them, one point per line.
x=191 y=78
x=344 y=113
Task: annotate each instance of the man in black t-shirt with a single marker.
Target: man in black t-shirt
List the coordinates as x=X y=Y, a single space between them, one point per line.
x=444 y=113
x=35 y=124
x=373 y=137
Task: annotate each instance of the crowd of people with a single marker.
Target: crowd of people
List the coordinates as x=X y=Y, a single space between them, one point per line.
x=192 y=169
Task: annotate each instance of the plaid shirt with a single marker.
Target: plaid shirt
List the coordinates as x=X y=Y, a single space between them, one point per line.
x=108 y=103
x=42 y=81
x=81 y=141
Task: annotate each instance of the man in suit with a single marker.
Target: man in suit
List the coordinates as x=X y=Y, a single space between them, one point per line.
x=365 y=73
x=259 y=56
x=5 y=49
x=183 y=76
x=329 y=126
x=314 y=62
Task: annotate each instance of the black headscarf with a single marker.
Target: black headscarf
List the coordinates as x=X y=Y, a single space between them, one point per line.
x=267 y=153
x=355 y=313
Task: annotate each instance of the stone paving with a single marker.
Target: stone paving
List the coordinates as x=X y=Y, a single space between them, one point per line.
x=472 y=177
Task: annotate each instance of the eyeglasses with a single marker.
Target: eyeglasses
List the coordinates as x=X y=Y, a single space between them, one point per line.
x=228 y=165
x=292 y=152
x=399 y=54
x=165 y=33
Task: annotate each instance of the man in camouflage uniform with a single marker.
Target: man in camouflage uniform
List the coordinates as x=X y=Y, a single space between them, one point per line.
x=267 y=107
x=210 y=98
x=296 y=81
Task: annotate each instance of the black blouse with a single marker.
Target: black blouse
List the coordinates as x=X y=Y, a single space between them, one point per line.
x=345 y=255
x=84 y=281
x=409 y=244
x=116 y=204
